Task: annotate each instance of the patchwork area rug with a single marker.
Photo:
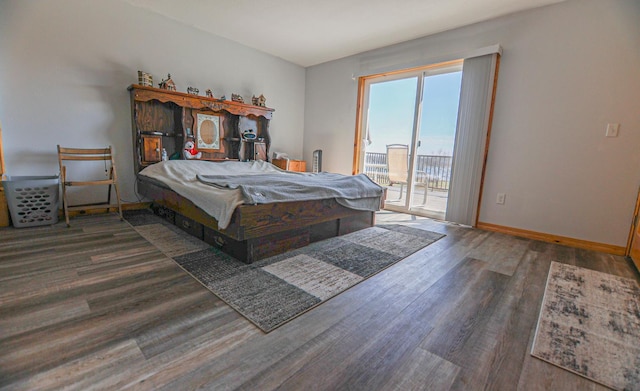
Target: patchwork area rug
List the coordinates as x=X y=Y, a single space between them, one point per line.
x=589 y=324
x=275 y=290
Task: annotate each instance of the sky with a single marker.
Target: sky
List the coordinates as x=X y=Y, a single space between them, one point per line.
x=391 y=111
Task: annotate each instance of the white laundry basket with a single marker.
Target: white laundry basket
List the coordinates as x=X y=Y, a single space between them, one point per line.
x=33 y=200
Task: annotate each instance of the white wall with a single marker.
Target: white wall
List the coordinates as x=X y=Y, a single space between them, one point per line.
x=566 y=71
x=65 y=66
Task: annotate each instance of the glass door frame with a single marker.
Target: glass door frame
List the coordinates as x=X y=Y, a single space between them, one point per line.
x=364 y=85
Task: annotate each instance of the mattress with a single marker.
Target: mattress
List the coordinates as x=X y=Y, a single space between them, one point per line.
x=185 y=177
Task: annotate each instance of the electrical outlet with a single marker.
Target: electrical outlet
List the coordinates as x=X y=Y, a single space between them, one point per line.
x=500 y=199
x=612 y=130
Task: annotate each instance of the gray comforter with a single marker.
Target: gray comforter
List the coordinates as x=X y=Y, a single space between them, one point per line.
x=356 y=192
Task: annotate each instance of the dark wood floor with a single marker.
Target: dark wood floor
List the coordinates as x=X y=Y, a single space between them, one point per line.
x=97 y=307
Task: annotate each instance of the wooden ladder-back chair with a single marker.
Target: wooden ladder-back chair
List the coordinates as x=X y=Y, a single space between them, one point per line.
x=83 y=154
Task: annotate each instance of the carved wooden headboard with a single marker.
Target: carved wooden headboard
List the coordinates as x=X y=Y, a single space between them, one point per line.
x=163 y=119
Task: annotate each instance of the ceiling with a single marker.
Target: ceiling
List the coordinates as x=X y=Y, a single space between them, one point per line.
x=310 y=32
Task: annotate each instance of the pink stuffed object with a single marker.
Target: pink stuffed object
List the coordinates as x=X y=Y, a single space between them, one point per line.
x=190 y=151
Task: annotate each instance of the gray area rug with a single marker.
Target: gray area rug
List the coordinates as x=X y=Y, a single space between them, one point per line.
x=275 y=290
x=589 y=324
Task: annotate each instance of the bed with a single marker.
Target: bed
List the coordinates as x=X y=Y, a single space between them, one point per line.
x=217 y=202
x=247 y=228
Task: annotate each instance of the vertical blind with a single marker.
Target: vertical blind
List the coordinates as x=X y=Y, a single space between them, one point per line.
x=474 y=112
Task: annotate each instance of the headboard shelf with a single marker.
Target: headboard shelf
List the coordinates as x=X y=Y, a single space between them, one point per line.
x=163 y=119
x=165 y=134
x=145 y=94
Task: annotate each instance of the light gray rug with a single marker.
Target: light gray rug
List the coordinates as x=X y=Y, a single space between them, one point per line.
x=589 y=324
x=275 y=290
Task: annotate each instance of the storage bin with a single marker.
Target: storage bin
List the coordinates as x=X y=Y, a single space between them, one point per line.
x=32 y=200
x=189 y=226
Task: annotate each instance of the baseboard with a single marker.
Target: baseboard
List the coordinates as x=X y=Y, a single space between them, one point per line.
x=571 y=242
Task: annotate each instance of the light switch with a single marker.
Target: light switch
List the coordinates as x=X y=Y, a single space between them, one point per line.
x=612 y=130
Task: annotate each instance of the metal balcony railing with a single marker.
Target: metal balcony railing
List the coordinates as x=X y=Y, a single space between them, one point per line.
x=431 y=169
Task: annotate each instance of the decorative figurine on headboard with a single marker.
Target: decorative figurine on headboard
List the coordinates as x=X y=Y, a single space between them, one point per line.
x=258 y=100
x=237 y=98
x=209 y=93
x=190 y=151
x=193 y=91
x=249 y=134
x=145 y=79
x=167 y=84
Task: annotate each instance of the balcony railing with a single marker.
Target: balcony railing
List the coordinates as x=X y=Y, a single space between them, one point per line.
x=431 y=169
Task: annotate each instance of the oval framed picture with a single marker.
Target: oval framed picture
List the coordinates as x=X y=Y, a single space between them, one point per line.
x=208 y=131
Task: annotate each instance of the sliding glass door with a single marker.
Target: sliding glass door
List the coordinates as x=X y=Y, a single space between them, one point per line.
x=390 y=123
x=430 y=153
x=409 y=133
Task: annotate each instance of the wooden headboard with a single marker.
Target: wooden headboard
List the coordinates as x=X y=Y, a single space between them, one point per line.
x=163 y=119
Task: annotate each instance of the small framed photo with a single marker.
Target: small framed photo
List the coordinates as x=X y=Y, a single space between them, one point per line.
x=208 y=132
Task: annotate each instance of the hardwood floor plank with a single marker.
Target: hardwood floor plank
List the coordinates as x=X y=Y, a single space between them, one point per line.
x=471 y=306
x=591 y=260
x=182 y=326
x=384 y=357
x=605 y=263
x=62 y=249
x=145 y=255
x=161 y=371
x=75 y=254
x=69 y=280
x=502 y=252
x=141 y=249
x=50 y=346
x=25 y=321
x=147 y=294
x=423 y=371
x=83 y=373
x=34 y=303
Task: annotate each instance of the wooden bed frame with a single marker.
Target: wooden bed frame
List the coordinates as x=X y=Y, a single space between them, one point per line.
x=259 y=231
x=164 y=119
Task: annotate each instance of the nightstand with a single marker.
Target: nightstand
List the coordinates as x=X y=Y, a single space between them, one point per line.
x=293 y=165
